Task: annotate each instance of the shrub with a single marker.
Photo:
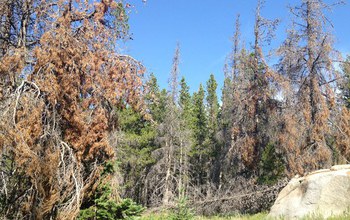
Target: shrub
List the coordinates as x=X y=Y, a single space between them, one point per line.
x=109 y=209
x=182 y=210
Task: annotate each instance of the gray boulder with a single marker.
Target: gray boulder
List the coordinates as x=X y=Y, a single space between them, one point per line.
x=323 y=192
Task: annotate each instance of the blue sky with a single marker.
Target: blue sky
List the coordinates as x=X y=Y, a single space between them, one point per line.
x=204 y=29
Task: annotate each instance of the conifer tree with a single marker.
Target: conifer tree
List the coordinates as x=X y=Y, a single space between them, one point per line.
x=136 y=141
x=346 y=84
x=307 y=63
x=185 y=102
x=212 y=107
x=250 y=125
x=171 y=169
x=171 y=131
x=342 y=119
x=186 y=140
x=227 y=110
x=152 y=95
x=213 y=128
x=61 y=80
x=200 y=131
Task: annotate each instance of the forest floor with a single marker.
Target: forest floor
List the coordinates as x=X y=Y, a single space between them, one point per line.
x=235 y=217
x=259 y=216
x=165 y=216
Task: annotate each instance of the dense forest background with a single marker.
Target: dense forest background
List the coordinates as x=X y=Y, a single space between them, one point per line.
x=83 y=130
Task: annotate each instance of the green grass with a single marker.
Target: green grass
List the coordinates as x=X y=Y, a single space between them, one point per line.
x=165 y=216
x=318 y=217
x=259 y=216
x=235 y=217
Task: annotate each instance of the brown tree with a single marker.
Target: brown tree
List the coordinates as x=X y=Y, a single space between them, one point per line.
x=250 y=126
x=59 y=86
x=307 y=64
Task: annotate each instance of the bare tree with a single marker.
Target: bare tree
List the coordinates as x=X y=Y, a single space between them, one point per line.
x=228 y=107
x=168 y=178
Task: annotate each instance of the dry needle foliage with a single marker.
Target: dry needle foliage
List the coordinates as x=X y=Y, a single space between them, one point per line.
x=295 y=106
x=306 y=64
x=342 y=134
x=252 y=99
x=60 y=82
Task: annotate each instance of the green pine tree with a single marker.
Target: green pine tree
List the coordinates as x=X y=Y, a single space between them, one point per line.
x=226 y=111
x=213 y=110
x=271 y=165
x=182 y=211
x=161 y=110
x=134 y=144
x=213 y=128
x=155 y=99
x=346 y=86
x=186 y=141
x=185 y=101
x=105 y=206
x=200 y=150
x=200 y=117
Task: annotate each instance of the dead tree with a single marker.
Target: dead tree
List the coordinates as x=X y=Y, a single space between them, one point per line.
x=56 y=101
x=168 y=178
x=250 y=124
x=307 y=63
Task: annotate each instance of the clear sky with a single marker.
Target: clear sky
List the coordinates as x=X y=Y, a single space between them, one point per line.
x=204 y=29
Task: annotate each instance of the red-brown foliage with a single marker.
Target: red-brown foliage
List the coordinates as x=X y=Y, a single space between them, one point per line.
x=55 y=120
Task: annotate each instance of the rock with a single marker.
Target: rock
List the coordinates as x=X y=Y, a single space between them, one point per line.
x=341 y=167
x=324 y=192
